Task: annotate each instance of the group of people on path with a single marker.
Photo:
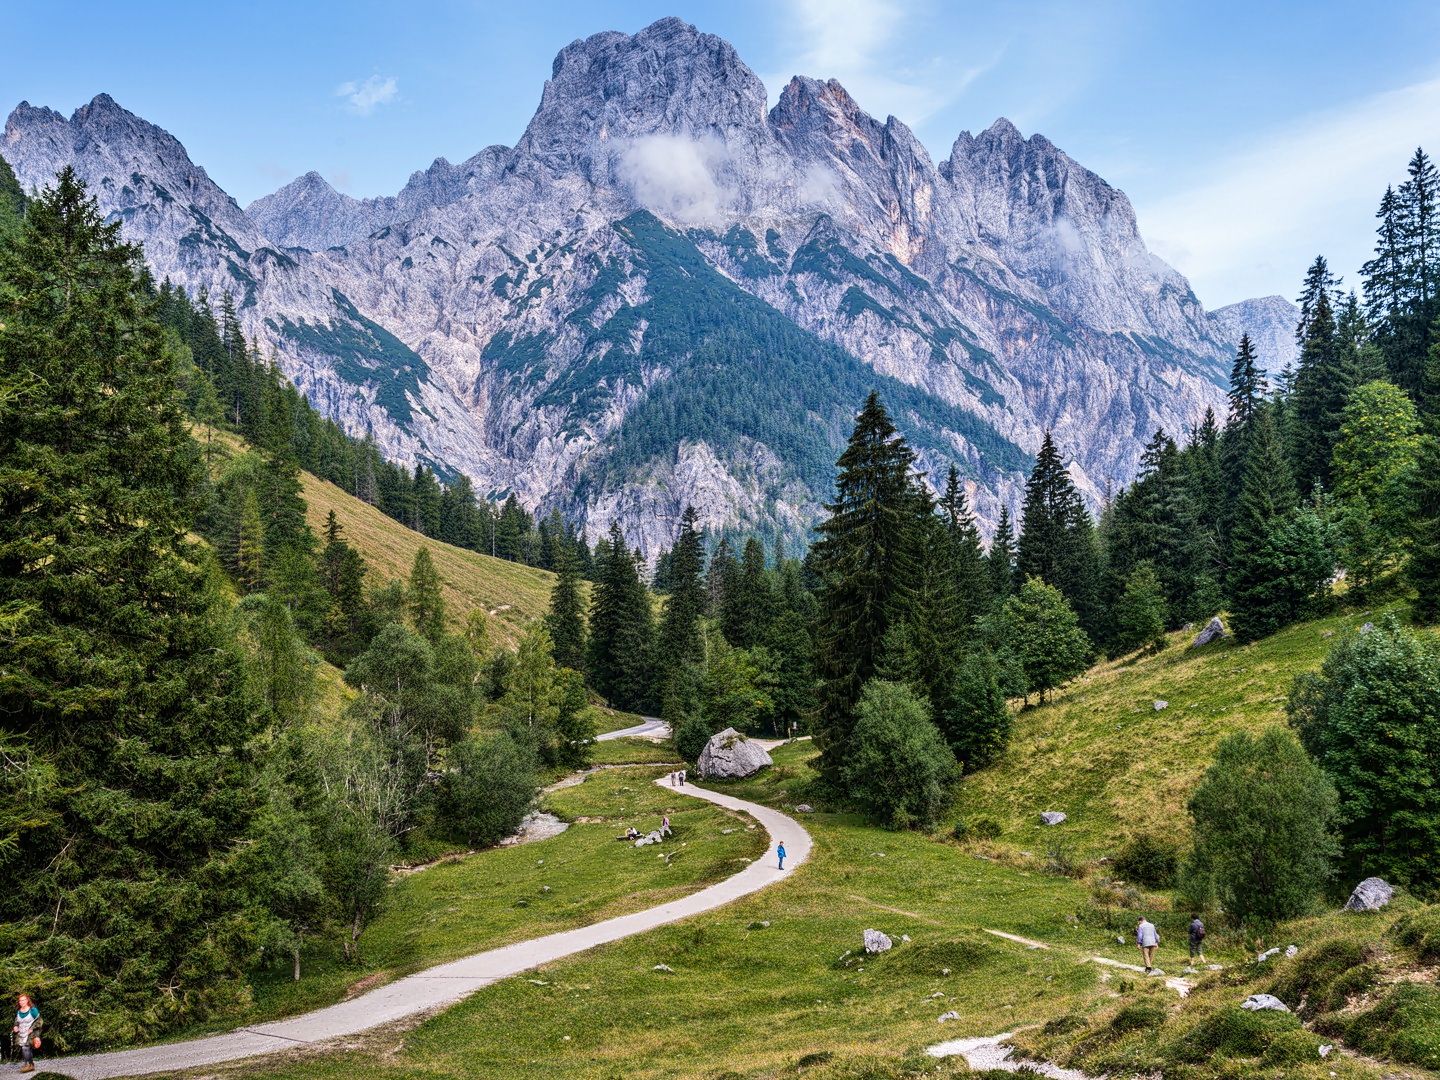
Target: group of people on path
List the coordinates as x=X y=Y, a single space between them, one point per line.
x=680 y=775
x=1147 y=940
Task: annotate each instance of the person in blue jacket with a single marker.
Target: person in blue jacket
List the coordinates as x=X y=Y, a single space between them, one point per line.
x=780 y=851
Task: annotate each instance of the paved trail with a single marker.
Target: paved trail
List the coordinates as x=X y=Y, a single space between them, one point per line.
x=653 y=728
x=448 y=983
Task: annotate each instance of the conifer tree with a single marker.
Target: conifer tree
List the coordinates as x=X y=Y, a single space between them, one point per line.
x=1247 y=397
x=1057 y=543
x=860 y=560
x=722 y=590
x=423 y=598
x=680 y=641
x=621 y=626
x=12 y=197
x=121 y=677
x=972 y=580
x=250 y=547
x=1322 y=382
x=566 y=618
x=1000 y=560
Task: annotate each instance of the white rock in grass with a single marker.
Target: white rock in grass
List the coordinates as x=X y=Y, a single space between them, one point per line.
x=1051 y=817
x=875 y=941
x=1159 y=704
x=1370 y=895
x=1214 y=631
x=951 y=1015
x=1264 y=1003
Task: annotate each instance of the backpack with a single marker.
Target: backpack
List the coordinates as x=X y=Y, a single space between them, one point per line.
x=1198 y=930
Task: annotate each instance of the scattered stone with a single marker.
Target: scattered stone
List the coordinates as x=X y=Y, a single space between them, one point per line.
x=1051 y=817
x=1370 y=895
x=1328 y=633
x=1267 y=954
x=726 y=832
x=1161 y=704
x=1367 y=628
x=875 y=941
x=1214 y=631
x=1216 y=967
x=951 y=1015
x=1325 y=1049
x=649 y=838
x=544 y=888
x=844 y=954
x=1264 y=1002
x=663 y=967
x=1155 y=971
x=537 y=982
x=937 y=994
x=729 y=755
x=805 y=808
x=1187 y=628
x=904 y=937
x=944 y=971
x=1291 y=950
x=758 y=925
x=522 y=903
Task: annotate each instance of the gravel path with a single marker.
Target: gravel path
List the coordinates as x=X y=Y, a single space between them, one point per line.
x=446 y=984
x=652 y=728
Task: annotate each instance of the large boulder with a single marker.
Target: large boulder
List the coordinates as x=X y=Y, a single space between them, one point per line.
x=1214 y=631
x=731 y=756
x=1370 y=895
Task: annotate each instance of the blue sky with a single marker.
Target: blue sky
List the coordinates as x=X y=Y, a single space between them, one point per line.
x=1250 y=135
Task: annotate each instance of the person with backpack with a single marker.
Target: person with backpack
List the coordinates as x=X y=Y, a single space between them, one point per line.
x=1197 y=939
x=1148 y=939
x=27 y=1031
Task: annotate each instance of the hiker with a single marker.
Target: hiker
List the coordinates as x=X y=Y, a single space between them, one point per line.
x=664 y=823
x=27 y=1031
x=1147 y=938
x=682 y=777
x=672 y=777
x=780 y=851
x=630 y=834
x=1197 y=939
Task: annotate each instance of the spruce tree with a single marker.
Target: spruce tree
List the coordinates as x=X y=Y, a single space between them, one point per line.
x=566 y=618
x=1000 y=560
x=1057 y=542
x=860 y=559
x=722 y=579
x=12 y=197
x=680 y=641
x=972 y=580
x=621 y=626
x=423 y=598
x=1322 y=382
x=120 y=677
x=1247 y=398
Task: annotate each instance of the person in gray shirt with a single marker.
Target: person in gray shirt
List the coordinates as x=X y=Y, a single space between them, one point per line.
x=1147 y=938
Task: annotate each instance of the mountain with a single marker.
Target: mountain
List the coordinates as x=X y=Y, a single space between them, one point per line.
x=665 y=293
x=1270 y=321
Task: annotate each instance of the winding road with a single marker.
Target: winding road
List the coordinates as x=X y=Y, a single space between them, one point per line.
x=446 y=984
x=652 y=728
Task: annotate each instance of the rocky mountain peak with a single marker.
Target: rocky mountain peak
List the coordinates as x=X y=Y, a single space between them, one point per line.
x=669 y=80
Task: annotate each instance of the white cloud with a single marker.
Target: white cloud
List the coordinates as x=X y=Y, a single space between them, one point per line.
x=855 y=41
x=675 y=176
x=1251 y=223
x=364 y=98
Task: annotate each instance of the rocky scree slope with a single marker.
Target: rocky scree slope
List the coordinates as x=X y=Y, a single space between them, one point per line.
x=666 y=294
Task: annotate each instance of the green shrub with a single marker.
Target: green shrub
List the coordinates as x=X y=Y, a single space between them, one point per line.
x=691 y=735
x=984 y=829
x=1291 y=1048
x=1371 y=717
x=932 y=957
x=1261 y=817
x=1324 y=975
x=960 y=830
x=1148 y=860
x=1064 y=1025
x=1232 y=1032
x=897 y=766
x=1140 y=1015
x=1404 y=1026
x=488 y=790
x=1420 y=931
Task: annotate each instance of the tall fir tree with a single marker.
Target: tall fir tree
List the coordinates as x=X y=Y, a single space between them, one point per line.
x=566 y=618
x=973 y=582
x=860 y=558
x=1057 y=541
x=680 y=639
x=424 y=599
x=1323 y=382
x=1266 y=496
x=621 y=626
x=121 y=680
x=1000 y=559
x=1247 y=398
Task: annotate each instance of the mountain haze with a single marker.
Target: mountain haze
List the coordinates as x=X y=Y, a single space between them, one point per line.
x=666 y=293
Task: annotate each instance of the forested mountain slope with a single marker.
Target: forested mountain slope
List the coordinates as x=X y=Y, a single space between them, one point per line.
x=531 y=317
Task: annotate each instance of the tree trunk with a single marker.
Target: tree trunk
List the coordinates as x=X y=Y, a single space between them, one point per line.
x=296 y=953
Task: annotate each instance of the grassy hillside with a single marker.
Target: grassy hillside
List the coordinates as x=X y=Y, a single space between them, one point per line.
x=514 y=595
x=1106 y=757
